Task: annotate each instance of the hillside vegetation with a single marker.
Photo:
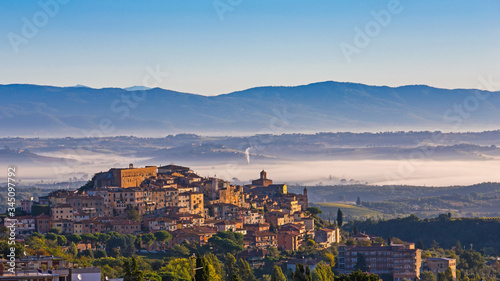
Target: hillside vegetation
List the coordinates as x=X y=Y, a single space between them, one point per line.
x=479 y=233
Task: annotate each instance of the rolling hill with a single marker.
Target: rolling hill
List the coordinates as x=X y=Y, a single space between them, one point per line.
x=32 y=110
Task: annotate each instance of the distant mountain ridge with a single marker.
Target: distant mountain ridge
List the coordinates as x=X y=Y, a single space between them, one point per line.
x=32 y=110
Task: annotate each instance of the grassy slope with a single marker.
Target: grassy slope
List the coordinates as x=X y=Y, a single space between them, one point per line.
x=350 y=212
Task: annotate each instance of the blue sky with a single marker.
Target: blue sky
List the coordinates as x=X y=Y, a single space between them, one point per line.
x=449 y=44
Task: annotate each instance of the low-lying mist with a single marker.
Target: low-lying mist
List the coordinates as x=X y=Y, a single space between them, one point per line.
x=325 y=172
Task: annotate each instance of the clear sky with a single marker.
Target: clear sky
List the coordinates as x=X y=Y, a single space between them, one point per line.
x=248 y=43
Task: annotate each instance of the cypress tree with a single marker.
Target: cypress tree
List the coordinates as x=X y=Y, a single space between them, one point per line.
x=340 y=218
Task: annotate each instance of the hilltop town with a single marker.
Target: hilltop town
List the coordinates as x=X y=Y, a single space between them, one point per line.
x=172 y=212
x=177 y=200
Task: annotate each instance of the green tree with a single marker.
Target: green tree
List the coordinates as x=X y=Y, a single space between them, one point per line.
x=361 y=263
x=235 y=277
x=308 y=274
x=177 y=270
x=266 y=277
x=215 y=265
x=55 y=230
x=75 y=238
x=202 y=271
x=51 y=236
x=277 y=274
x=329 y=258
x=360 y=276
x=148 y=239
x=100 y=254
x=448 y=274
x=245 y=271
x=427 y=276
x=314 y=210
x=180 y=251
x=37 y=210
x=131 y=270
x=102 y=237
x=61 y=240
x=301 y=273
x=322 y=272
x=133 y=214
x=358 y=201
x=72 y=250
x=459 y=248
x=227 y=242
x=88 y=238
x=340 y=218
x=471 y=260
x=355 y=230
x=129 y=246
x=162 y=236
x=458 y=274
x=230 y=266
x=150 y=276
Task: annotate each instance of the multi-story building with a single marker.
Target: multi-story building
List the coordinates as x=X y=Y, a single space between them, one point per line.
x=26 y=205
x=160 y=223
x=256 y=227
x=437 y=265
x=191 y=202
x=327 y=236
x=251 y=217
x=131 y=177
x=66 y=226
x=222 y=211
x=24 y=224
x=277 y=218
x=61 y=212
x=125 y=226
x=261 y=239
x=170 y=169
x=289 y=240
x=122 y=198
x=229 y=225
x=43 y=223
x=94 y=206
x=232 y=195
x=194 y=234
x=289 y=203
x=400 y=260
x=47 y=268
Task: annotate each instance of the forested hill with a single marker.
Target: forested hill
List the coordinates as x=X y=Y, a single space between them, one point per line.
x=482 y=233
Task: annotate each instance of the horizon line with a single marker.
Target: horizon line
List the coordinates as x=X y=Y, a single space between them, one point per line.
x=246 y=89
